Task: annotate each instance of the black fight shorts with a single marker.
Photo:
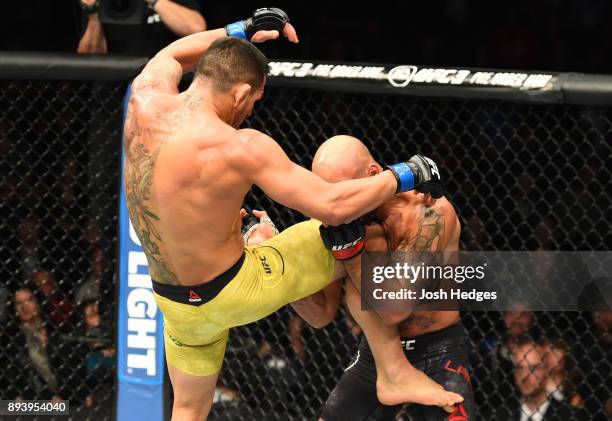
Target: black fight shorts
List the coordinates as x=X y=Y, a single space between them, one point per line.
x=442 y=355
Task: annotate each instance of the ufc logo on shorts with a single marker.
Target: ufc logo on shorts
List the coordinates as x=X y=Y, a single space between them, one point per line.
x=346 y=246
x=433 y=166
x=265 y=265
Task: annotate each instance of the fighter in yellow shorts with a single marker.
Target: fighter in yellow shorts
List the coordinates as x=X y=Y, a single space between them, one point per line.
x=187 y=170
x=288 y=267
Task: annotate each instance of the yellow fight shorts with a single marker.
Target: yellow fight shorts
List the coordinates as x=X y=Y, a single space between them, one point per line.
x=286 y=268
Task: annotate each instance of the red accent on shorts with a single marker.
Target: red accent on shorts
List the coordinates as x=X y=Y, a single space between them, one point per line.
x=448 y=367
x=460 y=370
x=458 y=414
x=348 y=253
x=194 y=296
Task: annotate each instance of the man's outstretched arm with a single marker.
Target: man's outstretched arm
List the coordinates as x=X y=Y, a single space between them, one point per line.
x=180 y=19
x=264 y=163
x=291 y=185
x=93 y=40
x=164 y=71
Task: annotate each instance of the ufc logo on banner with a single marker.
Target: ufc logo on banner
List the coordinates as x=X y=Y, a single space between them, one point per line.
x=433 y=166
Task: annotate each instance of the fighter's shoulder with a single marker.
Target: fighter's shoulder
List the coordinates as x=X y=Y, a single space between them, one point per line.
x=253 y=146
x=145 y=99
x=252 y=137
x=375 y=237
x=452 y=225
x=154 y=78
x=446 y=210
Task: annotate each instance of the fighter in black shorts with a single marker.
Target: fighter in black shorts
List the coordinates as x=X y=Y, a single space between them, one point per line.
x=442 y=355
x=434 y=342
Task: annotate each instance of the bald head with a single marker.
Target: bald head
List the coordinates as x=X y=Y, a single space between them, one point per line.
x=343 y=158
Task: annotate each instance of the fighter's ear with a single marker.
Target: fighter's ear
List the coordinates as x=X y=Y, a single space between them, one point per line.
x=241 y=93
x=374 y=169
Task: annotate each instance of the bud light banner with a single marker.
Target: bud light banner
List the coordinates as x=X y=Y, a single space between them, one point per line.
x=140 y=328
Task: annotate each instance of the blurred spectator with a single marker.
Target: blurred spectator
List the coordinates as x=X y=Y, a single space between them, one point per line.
x=91 y=235
x=559 y=382
x=545 y=234
x=90 y=289
x=554 y=356
x=70 y=184
x=242 y=361
x=227 y=405
x=532 y=403
x=56 y=306
x=164 y=22
x=225 y=394
x=493 y=363
x=34 y=375
x=100 y=359
x=517 y=323
x=28 y=235
x=596 y=363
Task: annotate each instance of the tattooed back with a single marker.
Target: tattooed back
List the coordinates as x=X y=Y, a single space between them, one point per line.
x=184 y=183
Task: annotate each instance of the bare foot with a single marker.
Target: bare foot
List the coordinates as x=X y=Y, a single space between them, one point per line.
x=414 y=386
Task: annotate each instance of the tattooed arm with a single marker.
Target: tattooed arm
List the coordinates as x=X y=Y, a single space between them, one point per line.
x=376 y=246
x=435 y=229
x=439 y=230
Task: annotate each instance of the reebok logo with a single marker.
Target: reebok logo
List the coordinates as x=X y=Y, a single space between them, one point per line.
x=194 y=297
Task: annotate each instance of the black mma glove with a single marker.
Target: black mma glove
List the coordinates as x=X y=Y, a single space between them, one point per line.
x=419 y=173
x=345 y=241
x=265 y=19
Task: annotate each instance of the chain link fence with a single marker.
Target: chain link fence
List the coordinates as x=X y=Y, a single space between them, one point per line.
x=521 y=176
x=59 y=142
